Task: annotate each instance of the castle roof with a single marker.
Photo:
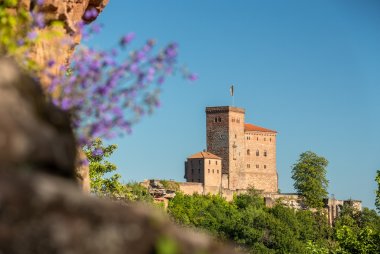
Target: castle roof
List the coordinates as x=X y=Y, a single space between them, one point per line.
x=204 y=155
x=251 y=127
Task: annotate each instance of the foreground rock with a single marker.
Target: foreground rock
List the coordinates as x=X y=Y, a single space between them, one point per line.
x=45 y=214
x=33 y=133
x=42 y=209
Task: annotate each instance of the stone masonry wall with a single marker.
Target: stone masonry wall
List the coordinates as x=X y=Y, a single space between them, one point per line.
x=236 y=144
x=225 y=139
x=213 y=173
x=260 y=162
x=191 y=188
x=194 y=170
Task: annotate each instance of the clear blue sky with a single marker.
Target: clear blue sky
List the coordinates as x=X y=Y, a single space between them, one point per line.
x=308 y=69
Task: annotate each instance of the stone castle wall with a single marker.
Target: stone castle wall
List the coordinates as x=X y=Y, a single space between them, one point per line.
x=191 y=188
x=260 y=162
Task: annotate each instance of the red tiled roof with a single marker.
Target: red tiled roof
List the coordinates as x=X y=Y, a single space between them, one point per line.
x=204 y=155
x=251 y=127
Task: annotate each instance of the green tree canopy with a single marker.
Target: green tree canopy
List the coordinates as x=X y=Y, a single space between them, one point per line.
x=309 y=175
x=377 y=201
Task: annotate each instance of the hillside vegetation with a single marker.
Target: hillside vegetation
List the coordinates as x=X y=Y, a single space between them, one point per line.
x=258 y=229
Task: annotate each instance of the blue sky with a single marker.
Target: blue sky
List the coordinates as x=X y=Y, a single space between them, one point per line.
x=308 y=69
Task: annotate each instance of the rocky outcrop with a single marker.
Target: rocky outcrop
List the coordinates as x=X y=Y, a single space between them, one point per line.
x=33 y=133
x=41 y=208
x=45 y=214
x=70 y=13
x=58 y=42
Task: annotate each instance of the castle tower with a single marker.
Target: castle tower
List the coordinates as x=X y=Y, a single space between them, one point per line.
x=225 y=138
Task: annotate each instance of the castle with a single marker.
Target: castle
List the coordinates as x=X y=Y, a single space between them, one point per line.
x=239 y=155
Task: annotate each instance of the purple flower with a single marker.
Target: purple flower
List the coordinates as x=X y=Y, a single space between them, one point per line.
x=66 y=104
x=38 y=19
x=91 y=13
x=97 y=152
x=193 y=77
x=126 y=39
x=50 y=63
x=20 y=42
x=32 y=35
x=106 y=94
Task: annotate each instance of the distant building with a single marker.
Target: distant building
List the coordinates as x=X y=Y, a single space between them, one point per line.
x=206 y=168
x=247 y=153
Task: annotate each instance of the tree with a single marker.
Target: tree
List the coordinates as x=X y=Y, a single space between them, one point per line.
x=96 y=154
x=377 y=201
x=103 y=180
x=309 y=175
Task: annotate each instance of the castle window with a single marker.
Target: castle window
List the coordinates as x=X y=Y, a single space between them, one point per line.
x=257 y=138
x=248 y=165
x=265 y=153
x=257 y=165
x=209 y=170
x=216 y=162
x=270 y=139
x=219 y=119
x=233 y=119
x=213 y=171
x=248 y=152
x=217 y=171
x=257 y=153
x=209 y=162
x=216 y=119
x=265 y=166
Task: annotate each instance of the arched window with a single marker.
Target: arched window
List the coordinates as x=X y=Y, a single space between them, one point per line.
x=248 y=152
x=219 y=119
x=265 y=153
x=257 y=153
x=216 y=119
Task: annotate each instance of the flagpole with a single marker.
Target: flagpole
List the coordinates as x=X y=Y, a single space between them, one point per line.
x=232 y=94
